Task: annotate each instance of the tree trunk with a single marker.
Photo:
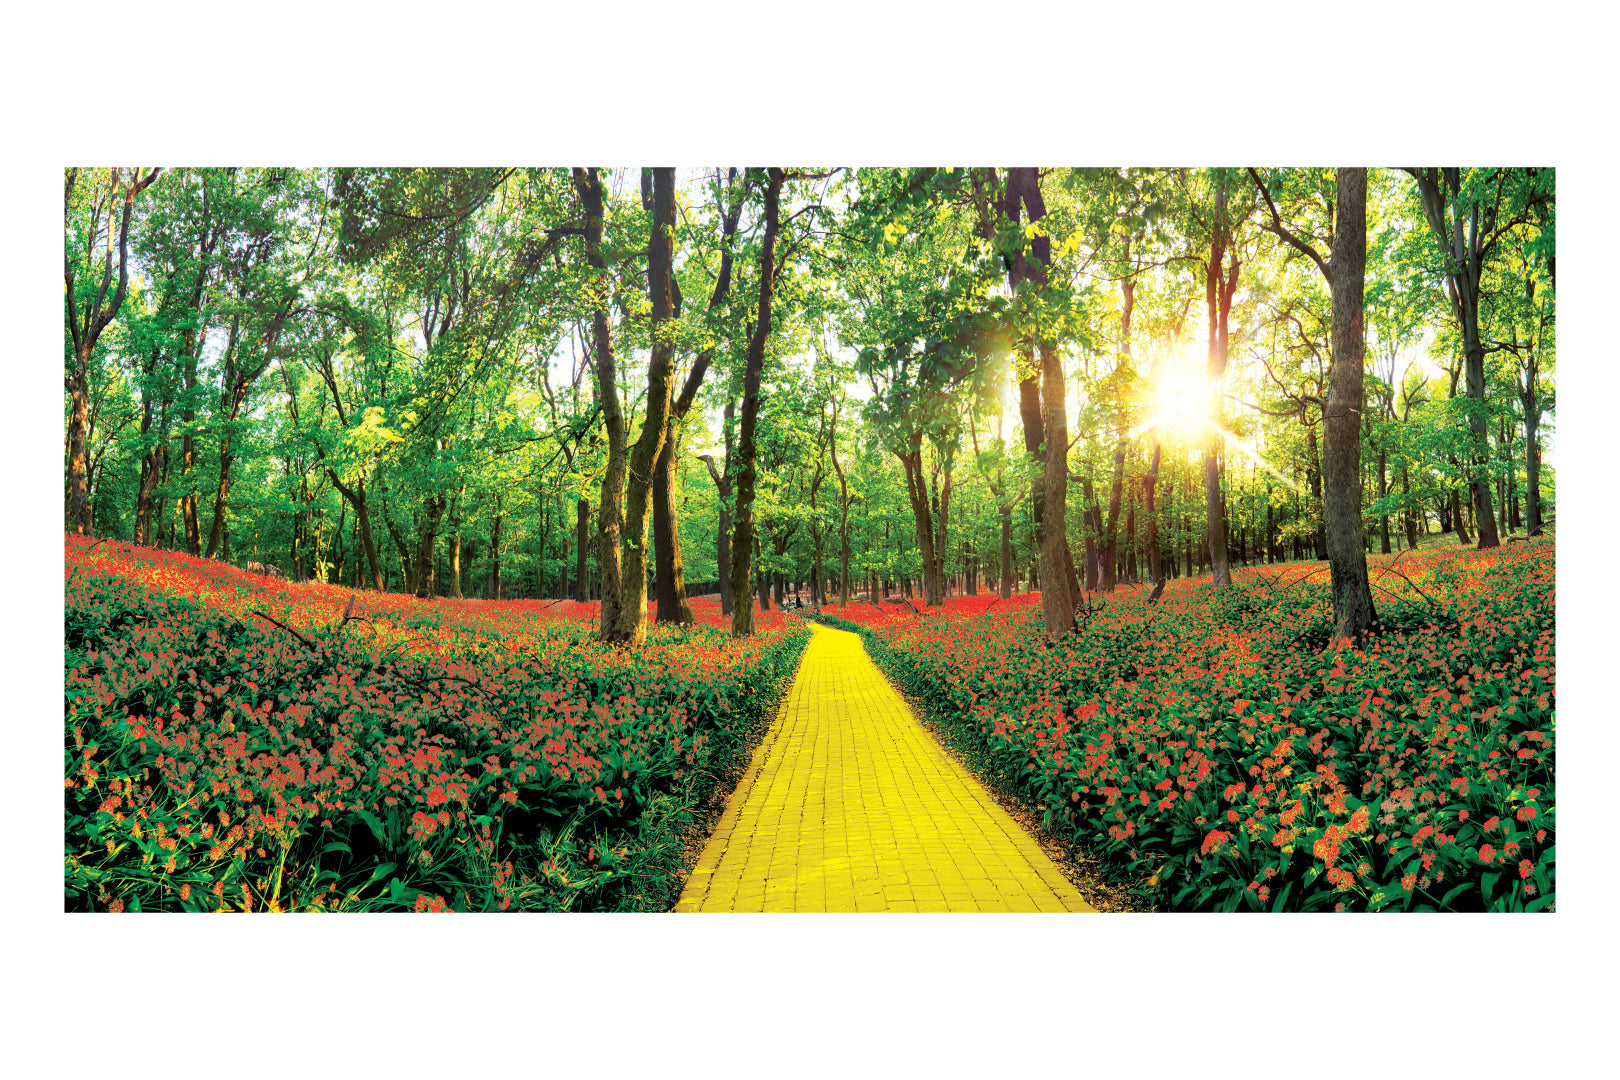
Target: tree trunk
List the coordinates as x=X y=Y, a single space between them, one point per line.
x=1411 y=517
x=1019 y=182
x=495 y=553
x=1515 y=522
x=564 y=589
x=1383 y=490
x=917 y=493
x=1532 y=466
x=762 y=576
x=658 y=194
x=356 y=497
x=1484 y=518
x=1058 y=600
x=1314 y=474
x=742 y=615
x=1270 y=545
x=1216 y=524
x=426 y=536
x=216 y=530
x=1006 y=553
x=610 y=513
x=843 y=516
x=152 y=467
x=1091 y=521
x=188 y=450
x=1457 y=522
x=455 y=565
x=673 y=605
x=1353 y=611
x=1130 y=542
x=1155 y=545
x=1108 y=556
x=1218 y=292
x=582 y=541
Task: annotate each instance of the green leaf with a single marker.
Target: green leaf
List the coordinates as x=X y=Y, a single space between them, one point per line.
x=377 y=828
x=1445 y=901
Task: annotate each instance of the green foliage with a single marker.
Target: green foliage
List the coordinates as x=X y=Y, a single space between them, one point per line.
x=214 y=764
x=1212 y=752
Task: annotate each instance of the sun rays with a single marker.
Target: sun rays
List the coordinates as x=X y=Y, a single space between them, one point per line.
x=1183 y=409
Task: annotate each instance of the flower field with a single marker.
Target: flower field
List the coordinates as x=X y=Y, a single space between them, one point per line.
x=1216 y=749
x=238 y=743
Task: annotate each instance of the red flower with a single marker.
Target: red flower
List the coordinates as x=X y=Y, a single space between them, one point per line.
x=1487 y=854
x=1359 y=820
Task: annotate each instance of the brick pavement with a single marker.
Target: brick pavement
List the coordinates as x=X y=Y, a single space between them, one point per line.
x=850 y=805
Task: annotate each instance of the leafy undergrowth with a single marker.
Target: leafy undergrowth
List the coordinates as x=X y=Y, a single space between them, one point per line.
x=465 y=756
x=1213 y=748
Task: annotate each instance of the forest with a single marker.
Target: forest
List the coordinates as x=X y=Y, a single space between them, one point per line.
x=438 y=539
x=807 y=385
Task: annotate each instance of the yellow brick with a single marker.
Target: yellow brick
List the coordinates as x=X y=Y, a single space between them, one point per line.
x=849 y=805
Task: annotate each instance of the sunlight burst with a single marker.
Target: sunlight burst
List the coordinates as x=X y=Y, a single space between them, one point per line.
x=1180 y=405
x=1249 y=450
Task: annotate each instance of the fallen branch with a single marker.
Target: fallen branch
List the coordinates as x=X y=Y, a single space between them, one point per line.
x=348 y=614
x=307 y=643
x=1433 y=604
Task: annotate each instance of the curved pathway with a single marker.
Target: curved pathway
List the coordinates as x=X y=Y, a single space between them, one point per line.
x=850 y=805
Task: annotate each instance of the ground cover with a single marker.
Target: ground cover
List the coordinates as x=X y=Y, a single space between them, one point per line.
x=233 y=742
x=1218 y=750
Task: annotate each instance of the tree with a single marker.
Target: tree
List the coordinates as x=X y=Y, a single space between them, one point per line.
x=658 y=196
x=422 y=428
x=1211 y=208
x=742 y=536
x=1469 y=212
x=671 y=575
x=1345 y=270
x=110 y=196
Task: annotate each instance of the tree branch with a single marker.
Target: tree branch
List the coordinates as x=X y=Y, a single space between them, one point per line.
x=1281 y=231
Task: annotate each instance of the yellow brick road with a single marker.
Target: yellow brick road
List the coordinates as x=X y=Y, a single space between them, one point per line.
x=850 y=805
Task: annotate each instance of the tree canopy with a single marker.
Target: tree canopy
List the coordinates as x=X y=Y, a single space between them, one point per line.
x=809 y=384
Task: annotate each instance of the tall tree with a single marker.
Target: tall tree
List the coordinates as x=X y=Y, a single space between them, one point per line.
x=658 y=197
x=610 y=512
x=111 y=199
x=671 y=571
x=742 y=536
x=1218 y=214
x=182 y=231
x=1469 y=212
x=1345 y=270
x=1060 y=593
